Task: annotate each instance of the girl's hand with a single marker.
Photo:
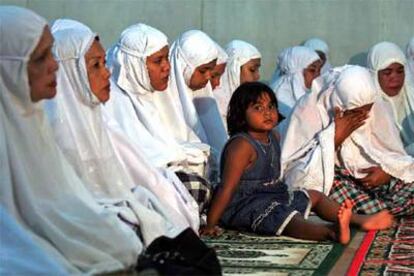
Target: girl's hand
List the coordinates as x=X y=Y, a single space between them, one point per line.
x=213 y=231
x=375 y=177
x=346 y=122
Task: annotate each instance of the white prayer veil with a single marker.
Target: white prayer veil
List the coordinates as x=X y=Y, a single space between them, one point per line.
x=308 y=155
x=289 y=84
x=239 y=53
x=38 y=187
x=380 y=57
x=132 y=102
x=99 y=155
x=410 y=55
x=318 y=44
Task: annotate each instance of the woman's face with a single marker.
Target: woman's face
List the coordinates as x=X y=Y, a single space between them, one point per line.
x=98 y=74
x=201 y=75
x=158 y=67
x=41 y=69
x=216 y=75
x=391 y=79
x=250 y=71
x=312 y=72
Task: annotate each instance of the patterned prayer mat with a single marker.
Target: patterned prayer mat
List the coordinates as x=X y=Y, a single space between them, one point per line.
x=250 y=254
x=389 y=252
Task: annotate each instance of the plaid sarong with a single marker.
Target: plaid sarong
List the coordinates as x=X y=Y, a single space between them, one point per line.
x=396 y=196
x=199 y=188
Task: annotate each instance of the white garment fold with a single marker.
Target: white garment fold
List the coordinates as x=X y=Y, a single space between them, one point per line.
x=380 y=57
x=39 y=188
x=92 y=149
x=19 y=254
x=308 y=146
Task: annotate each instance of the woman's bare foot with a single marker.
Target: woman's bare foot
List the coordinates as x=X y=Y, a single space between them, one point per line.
x=378 y=221
x=344 y=218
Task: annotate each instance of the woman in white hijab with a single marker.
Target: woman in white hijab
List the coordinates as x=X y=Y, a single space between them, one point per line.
x=243 y=65
x=188 y=107
x=39 y=188
x=333 y=146
x=140 y=66
x=322 y=49
x=410 y=56
x=114 y=170
x=392 y=78
x=297 y=67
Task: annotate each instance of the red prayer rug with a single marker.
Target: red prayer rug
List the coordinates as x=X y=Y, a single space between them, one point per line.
x=388 y=252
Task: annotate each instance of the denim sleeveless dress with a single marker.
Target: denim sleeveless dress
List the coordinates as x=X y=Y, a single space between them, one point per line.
x=261 y=203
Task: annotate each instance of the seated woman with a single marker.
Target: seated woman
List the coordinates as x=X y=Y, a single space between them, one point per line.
x=141 y=70
x=243 y=65
x=298 y=66
x=410 y=55
x=392 y=78
x=322 y=49
x=193 y=57
x=341 y=140
x=39 y=188
x=113 y=169
x=251 y=197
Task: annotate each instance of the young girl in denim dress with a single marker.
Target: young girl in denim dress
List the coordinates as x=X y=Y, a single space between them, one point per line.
x=251 y=197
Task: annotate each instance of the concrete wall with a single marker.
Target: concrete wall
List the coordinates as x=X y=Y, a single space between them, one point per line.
x=349 y=26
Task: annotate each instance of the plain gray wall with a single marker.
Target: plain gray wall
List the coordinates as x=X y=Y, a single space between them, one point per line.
x=349 y=26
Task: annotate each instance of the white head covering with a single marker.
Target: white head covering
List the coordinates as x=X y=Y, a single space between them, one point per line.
x=38 y=187
x=318 y=44
x=81 y=134
x=132 y=102
x=380 y=57
x=374 y=144
x=410 y=55
x=222 y=55
x=289 y=85
x=239 y=53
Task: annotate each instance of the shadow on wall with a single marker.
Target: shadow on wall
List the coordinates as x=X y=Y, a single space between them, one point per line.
x=359 y=59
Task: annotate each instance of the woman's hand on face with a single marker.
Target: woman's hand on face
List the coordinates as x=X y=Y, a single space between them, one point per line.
x=346 y=122
x=375 y=177
x=213 y=231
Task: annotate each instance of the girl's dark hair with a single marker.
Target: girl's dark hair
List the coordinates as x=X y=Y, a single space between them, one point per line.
x=246 y=94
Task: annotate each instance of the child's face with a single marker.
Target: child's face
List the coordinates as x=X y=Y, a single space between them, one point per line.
x=250 y=71
x=312 y=72
x=216 y=75
x=41 y=69
x=158 y=67
x=262 y=116
x=201 y=75
x=98 y=74
x=391 y=79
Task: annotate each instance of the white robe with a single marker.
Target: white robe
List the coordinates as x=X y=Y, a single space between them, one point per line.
x=39 y=188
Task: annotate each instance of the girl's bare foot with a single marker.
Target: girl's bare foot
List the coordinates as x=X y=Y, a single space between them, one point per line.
x=378 y=221
x=344 y=218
